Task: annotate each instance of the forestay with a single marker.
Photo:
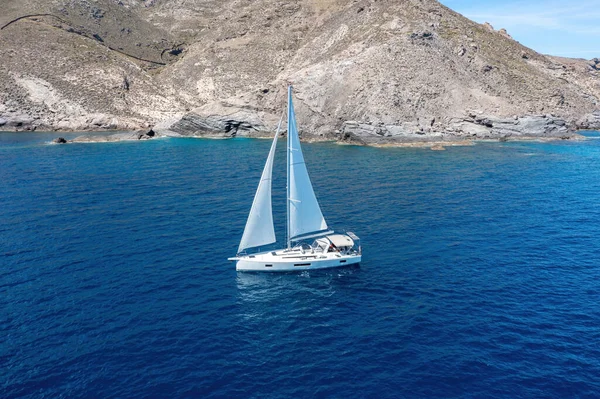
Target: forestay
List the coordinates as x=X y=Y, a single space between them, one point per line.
x=304 y=213
x=259 y=227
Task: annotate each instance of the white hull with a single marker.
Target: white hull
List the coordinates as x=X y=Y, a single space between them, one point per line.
x=294 y=260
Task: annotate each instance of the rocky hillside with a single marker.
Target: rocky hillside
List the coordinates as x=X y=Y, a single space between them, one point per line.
x=369 y=71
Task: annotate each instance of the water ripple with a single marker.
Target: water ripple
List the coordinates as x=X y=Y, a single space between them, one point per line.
x=479 y=277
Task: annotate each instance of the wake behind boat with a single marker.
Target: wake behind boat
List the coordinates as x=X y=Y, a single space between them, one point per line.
x=310 y=243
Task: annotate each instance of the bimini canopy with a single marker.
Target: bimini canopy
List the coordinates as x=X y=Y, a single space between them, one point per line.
x=340 y=240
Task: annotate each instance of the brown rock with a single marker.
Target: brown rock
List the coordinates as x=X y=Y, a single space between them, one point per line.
x=220 y=70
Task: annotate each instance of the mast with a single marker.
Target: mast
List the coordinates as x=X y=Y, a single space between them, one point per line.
x=289 y=118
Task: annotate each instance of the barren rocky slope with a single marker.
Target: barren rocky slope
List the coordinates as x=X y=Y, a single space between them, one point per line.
x=387 y=71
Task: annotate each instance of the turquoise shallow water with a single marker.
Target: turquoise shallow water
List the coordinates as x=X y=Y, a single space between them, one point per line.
x=480 y=274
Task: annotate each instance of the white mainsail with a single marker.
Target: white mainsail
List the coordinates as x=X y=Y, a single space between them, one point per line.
x=304 y=213
x=259 y=227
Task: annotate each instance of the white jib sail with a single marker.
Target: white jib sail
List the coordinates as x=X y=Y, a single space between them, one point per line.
x=259 y=227
x=305 y=215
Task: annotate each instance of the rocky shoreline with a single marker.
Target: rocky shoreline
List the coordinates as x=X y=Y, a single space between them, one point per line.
x=140 y=135
x=229 y=121
x=411 y=73
x=473 y=126
x=462 y=132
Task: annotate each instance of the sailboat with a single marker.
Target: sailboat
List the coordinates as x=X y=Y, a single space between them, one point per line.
x=310 y=243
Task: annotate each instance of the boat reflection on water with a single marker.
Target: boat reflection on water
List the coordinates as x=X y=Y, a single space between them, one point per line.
x=266 y=287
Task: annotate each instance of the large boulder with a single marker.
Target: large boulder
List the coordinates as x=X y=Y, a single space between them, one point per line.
x=145 y=134
x=590 y=122
x=222 y=121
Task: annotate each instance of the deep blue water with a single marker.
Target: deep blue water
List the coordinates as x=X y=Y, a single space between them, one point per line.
x=480 y=275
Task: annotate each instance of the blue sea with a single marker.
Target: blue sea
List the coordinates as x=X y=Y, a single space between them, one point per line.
x=480 y=275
